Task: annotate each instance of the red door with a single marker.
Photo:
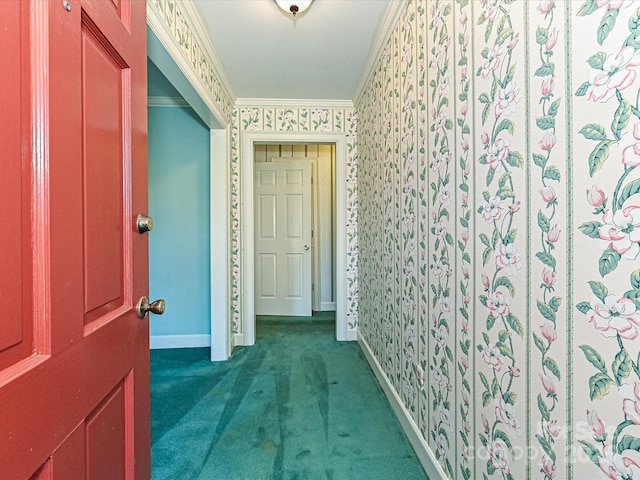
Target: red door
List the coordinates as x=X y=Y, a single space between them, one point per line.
x=74 y=371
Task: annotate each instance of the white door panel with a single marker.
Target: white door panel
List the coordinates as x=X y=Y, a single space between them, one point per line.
x=282 y=238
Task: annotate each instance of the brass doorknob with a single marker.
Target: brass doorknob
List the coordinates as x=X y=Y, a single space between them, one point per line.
x=145 y=307
x=144 y=223
x=307 y=247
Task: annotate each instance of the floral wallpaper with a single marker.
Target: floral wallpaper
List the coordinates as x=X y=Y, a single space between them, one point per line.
x=281 y=119
x=499 y=211
x=177 y=19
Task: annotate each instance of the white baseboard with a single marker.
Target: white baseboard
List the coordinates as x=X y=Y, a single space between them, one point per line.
x=352 y=335
x=327 y=307
x=237 y=340
x=179 y=341
x=428 y=460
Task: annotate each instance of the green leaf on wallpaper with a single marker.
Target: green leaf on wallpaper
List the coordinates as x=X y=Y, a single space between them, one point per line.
x=634 y=21
x=504 y=178
x=546 y=311
x=506 y=351
x=491 y=321
x=597 y=60
x=505 y=282
x=599 y=386
x=491 y=469
x=555 y=303
x=598 y=156
x=584 y=307
x=621 y=118
x=546 y=122
x=606 y=25
x=504 y=437
x=485 y=239
x=608 y=261
x=487 y=32
x=621 y=366
x=629 y=442
x=635 y=279
x=490 y=174
x=593 y=131
x=505 y=124
x=515 y=159
x=543 y=222
x=633 y=40
x=542 y=34
x=505 y=193
x=484 y=98
x=509 y=76
x=510 y=237
x=590 y=229
x=486 y=256
x=466 y=257
x=515 y=324
x=547 y=259
x=588 y=8
x=546 y=446
x=539 y=343
x=544 y=410
x=594 y=358
x=599 y=289
x=582 y=89
x=466 y=130
x=486 y=398
x=546 y=69
x=485 y=113
x=484 y=380
x=551 y=364
x=553 y=108
x=539 y=160
x=592 y=452
x=552 y=173
x=629 y=189
x=504 y=35
x=495 y=238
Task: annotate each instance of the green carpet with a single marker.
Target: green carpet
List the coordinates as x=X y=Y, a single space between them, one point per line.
x=296 y=405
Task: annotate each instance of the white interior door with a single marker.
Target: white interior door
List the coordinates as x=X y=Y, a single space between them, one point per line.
x=283 y=238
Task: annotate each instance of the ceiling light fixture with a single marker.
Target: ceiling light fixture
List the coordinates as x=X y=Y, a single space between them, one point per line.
x=293 y=6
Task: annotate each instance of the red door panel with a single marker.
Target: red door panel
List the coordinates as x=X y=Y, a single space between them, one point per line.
x=74 y=371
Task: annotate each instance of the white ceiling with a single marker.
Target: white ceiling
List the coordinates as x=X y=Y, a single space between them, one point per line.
x=266 y=53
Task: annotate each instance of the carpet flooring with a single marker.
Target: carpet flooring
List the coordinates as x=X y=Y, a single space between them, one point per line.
x=296 y=405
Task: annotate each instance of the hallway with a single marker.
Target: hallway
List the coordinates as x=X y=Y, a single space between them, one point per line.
x=297 y=405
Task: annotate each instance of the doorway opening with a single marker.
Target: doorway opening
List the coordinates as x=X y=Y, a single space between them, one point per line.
x=319 y=241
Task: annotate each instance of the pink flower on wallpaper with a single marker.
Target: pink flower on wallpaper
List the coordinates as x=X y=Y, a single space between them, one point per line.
x=630 y=146
x=441 y=336
x=554 y=429
x=595 y=422
x=548 y=141
x=552 y=39
x=507 y=99
x=548 y=466
x=616 y=316
x=445 y=195
x=545 y=6
x=485 y=422
x=613 y=4
x=548 y=194
x=442 y=445
x=440 y=230
x=616 y=467
x=595 y=196
x=492 y=9
x=631 y=402
x=553 y=235
x=548 y=384
x=492 y=62
x=548 y=84
x=548 y=331
x=492 y=357
x=514 y=41
x=499 y=305
x=497 y=153
x=506 y=413
x=621 y=231
x=548 y=277
x=492 y=209
x=499 y=455
x=617 y=74
x=508 y=259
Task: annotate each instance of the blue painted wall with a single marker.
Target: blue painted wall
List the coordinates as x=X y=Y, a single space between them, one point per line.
x=179 y=204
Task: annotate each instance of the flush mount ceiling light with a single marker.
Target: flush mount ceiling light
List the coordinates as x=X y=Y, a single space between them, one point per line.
x=293 y=6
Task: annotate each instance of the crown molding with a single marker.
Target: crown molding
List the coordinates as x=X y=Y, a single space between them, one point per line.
x=390 y=19
x=199 y=30
x=293 y=103
x=167 y=102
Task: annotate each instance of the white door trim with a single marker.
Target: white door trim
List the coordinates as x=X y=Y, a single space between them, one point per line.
x=246 y=207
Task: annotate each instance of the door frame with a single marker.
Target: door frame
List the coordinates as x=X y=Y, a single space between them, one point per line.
x=247 y=337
